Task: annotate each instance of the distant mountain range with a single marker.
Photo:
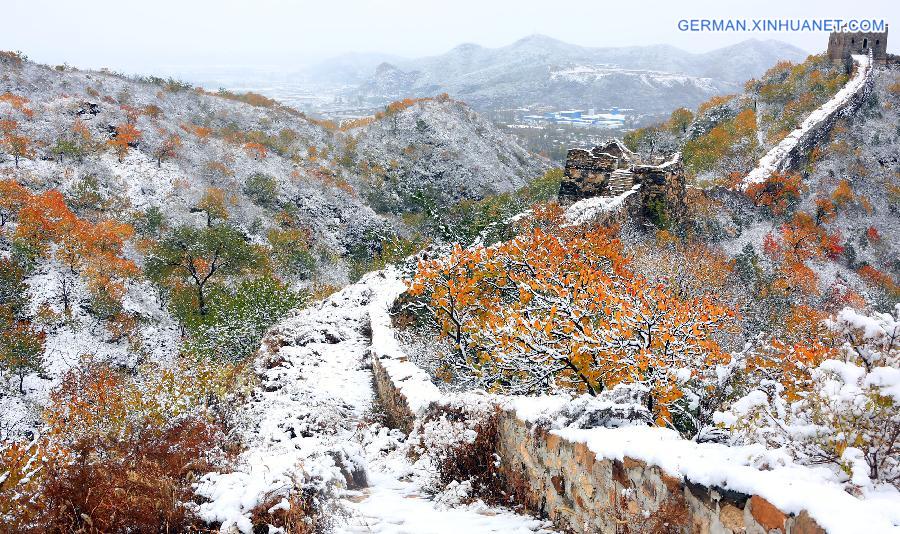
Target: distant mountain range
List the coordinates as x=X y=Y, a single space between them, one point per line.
x=539 y=70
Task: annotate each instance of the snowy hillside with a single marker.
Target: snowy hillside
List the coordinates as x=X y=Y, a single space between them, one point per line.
x=161 y=158
x=444 y=148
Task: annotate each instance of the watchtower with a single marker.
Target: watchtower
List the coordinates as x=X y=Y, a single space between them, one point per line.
x=843 y=44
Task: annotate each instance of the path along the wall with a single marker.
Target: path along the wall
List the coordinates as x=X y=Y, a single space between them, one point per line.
x=787 y=152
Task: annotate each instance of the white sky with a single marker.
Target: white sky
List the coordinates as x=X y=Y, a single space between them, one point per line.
x=136 y=35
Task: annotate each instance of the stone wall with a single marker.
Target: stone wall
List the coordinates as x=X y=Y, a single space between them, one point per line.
x=564 y=480
x=799 y=154
x=391 y=398
x=581 y=493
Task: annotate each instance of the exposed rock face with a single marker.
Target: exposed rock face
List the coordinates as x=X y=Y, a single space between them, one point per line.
x=610 y=170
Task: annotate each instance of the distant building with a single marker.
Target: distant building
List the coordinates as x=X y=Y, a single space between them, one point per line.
x=841 y=45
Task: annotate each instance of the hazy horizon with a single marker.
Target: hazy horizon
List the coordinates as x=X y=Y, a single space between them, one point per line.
x=286 y=34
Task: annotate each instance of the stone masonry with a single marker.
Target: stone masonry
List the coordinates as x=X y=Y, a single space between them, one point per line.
x=610 y=169
x=843 y=44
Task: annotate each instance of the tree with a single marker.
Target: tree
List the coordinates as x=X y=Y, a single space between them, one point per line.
x=12 y=196
x=95 y=250
x=168 y=147
x=237 y=320
x=778 y=194
x=846 y=412
x=200 y=256
x=562 y=309
x=256 y=151
x=18 y=145
x=201 y=132
x=126 y=136
x=213 y=203
x=262 y=189
x=680 y=119
x=290 y=249
x=21 y=347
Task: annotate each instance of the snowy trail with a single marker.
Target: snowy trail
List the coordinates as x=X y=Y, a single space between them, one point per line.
x=310 y=420
x=774 y=159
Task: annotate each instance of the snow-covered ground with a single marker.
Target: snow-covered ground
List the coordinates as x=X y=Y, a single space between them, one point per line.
x=774 y=158
x=584 y=211
x=311 y=423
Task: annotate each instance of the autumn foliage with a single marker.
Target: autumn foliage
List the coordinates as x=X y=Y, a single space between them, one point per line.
x=778 y=194
x=118 y=453
x=15 y=143
x=561 y=308
x=48 y=227
x=126 y=135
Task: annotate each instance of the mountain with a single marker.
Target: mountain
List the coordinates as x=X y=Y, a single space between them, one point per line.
x=352 y=68
x=539 y=70
x=441 y=148
x=157 y=160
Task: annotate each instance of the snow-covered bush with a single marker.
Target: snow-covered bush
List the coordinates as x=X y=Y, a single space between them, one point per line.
x=561 y=308
x=849 y=414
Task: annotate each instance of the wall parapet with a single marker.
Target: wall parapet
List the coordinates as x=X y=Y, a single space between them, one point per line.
x=596 y=480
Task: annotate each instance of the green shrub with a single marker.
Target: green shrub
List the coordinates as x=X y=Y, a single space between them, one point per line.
x=262 y=190
x=233 y=327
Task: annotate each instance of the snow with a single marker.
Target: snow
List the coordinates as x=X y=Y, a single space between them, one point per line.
x=586 y=74
x=311 y=408
x=774 y=158
x=414 y=383
x=396 y=507
x=790 y=487
x=588 y=209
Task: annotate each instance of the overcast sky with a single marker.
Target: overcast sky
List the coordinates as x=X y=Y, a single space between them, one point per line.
x=140 y=35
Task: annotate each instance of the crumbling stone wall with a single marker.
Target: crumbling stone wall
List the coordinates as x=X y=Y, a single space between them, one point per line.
x=663 y=191
x=582 y=493
x=587 y=174
x=611 y=169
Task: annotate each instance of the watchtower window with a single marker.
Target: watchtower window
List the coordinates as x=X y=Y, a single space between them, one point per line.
x=865 y=43
x=853 y=41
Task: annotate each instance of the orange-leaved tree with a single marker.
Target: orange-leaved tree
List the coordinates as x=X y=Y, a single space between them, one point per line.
x=126 y=135
x=562 y=309
x=17 y=144
x=95 y=250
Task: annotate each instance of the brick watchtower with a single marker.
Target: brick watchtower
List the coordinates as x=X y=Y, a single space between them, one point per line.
x=841 y=45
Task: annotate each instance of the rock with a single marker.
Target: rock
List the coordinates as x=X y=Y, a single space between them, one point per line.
x=732 y=518
x=804 y=524
x=766 y=514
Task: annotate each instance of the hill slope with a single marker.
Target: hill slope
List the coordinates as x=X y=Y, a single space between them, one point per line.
x=159 y=162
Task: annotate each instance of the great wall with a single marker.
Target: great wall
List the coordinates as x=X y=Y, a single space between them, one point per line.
x=585 y=480
x=611 y=174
